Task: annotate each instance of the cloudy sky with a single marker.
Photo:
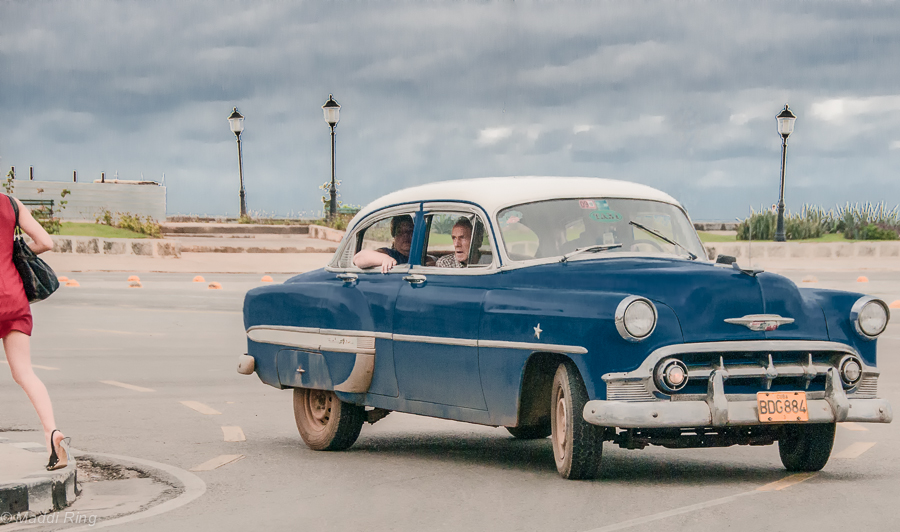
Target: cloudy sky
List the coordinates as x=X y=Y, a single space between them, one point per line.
x=681 y=96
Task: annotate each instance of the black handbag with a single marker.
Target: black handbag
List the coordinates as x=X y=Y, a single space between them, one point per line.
x=37 y=276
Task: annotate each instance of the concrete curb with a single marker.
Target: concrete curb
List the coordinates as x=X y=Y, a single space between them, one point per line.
x=812 y=250
x=37 y=493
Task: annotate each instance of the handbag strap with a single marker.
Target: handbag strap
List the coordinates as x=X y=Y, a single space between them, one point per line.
x=15 y=207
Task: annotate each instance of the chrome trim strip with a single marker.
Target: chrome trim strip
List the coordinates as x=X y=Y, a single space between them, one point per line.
x=307 y=338
x=550 y=348
x=465 y=342
x=311 y=338
x=383 y=336
x=646 y=368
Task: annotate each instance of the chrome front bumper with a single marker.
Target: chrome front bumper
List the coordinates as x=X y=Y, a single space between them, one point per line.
x=717 y=411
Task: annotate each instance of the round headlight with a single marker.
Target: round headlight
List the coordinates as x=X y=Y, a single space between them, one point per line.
x=635 y=318
x=870 y=316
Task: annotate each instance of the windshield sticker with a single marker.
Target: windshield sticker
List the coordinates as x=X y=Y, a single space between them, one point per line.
x=604 y=214
x=510 y=217
x=586 y=204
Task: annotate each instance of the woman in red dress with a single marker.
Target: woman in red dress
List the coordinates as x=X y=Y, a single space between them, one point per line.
x=15 y=322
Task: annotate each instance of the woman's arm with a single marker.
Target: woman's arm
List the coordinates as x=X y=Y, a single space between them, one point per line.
x=41 y=240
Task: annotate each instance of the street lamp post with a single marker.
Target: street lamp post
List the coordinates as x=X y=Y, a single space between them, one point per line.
x=332 y=111
x=785 y=128
x=236 y=120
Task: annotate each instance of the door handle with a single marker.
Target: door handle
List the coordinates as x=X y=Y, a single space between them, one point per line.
x=347 y=277
x=415 y=279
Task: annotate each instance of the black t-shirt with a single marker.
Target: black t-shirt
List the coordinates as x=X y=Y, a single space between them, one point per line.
x=394 y=254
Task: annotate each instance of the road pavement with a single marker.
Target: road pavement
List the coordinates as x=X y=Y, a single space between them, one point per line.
x=149 y=373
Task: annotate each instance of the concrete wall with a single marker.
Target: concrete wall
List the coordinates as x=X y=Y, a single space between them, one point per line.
x=115 y=246
x=87 y=200
x=885 y=249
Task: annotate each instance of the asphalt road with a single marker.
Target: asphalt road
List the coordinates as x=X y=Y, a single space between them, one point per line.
x=173 y=340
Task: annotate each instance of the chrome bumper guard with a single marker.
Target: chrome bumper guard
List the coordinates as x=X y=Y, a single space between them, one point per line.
x=717 y=411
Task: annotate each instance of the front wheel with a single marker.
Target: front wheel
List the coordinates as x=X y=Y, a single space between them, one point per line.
x=325 y=422
x=806 y=447
x=577 y=445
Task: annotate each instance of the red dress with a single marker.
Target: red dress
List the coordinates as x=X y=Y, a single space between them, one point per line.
x=15 y=313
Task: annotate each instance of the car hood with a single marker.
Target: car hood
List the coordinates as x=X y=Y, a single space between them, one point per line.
x=704 y=295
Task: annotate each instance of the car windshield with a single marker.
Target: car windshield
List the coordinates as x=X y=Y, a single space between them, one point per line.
x=555 y=228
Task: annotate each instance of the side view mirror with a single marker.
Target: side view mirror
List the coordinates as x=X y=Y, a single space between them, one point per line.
x=725 y=259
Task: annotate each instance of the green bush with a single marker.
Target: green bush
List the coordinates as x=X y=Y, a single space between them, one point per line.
x=133 y=222
x=874 y=232
x=855 y=222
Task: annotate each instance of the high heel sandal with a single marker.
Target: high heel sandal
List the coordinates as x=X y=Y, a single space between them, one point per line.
x=58 y=458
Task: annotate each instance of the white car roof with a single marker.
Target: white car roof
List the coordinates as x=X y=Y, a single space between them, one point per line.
x=495 y=193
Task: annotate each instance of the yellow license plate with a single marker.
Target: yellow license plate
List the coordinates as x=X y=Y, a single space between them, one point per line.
x=782 y=406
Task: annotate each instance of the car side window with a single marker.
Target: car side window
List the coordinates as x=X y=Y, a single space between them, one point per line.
x=456 y=240
x=378 y=236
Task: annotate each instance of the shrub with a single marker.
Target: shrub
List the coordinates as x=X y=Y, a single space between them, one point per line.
x=132 y=222
x=855 y=222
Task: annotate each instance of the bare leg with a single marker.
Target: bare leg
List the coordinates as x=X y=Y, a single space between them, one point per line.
x=18 y=353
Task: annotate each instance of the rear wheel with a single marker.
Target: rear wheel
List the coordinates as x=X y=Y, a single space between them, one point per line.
x=806 y=447
x=577 y=445
x=530 y=432
x=325 y=422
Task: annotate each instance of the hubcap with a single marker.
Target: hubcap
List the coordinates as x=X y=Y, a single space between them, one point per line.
x=319 y=406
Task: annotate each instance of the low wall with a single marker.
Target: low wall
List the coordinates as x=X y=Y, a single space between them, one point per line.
x=116 y=246
x=810 y=250
x=88 y=200
x=321 y=232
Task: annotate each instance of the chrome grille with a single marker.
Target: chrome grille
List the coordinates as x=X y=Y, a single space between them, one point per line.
x=868 y=388
x=633 y=391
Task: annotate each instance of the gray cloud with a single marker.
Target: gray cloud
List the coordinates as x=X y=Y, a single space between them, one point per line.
x=681 y=96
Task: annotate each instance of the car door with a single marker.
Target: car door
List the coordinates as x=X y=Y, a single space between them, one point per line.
x=437 y=315
x=374 y=291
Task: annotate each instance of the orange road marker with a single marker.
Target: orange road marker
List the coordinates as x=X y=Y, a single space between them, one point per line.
x=72 y=282
x=862 y=279
x=266 y=279
x=135 y=284
x=62 y=278
x=134 y=278
x=895 y=304
x=215 y=286
x=199 y=279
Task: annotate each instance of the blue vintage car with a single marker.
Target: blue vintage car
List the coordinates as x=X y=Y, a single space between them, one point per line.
x=577 y=308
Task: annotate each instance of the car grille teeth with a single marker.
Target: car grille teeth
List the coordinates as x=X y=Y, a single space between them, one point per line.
x=868 y=388
x=635 y=391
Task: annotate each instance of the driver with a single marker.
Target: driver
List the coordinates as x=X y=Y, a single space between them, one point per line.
x=402 y=231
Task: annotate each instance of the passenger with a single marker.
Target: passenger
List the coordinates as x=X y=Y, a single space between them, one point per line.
x=398 y=253
x=462 y=242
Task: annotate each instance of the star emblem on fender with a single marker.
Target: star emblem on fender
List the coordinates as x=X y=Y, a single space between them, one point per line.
x=538 y=331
